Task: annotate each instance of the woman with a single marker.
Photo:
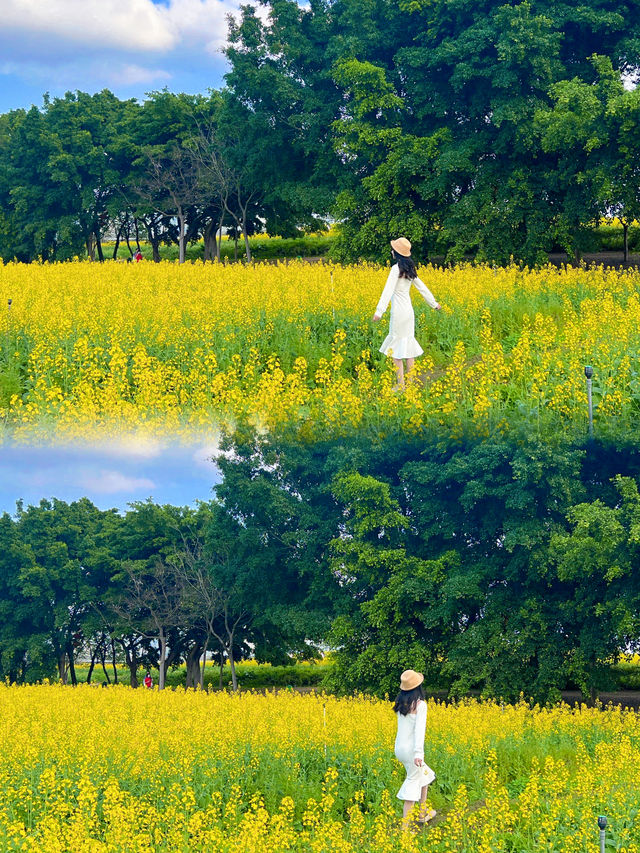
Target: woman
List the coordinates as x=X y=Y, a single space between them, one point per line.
x=400 y=343
x=411 y=710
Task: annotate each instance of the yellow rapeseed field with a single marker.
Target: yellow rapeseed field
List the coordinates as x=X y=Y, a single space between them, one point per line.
x=90 y=769
x=91 y=349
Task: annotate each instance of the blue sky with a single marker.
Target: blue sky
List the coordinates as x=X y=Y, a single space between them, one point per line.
x=129 y=46
x=111 y=475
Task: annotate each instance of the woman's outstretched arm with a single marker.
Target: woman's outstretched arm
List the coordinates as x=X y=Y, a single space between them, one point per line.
x=426 y=293
x=387 y=293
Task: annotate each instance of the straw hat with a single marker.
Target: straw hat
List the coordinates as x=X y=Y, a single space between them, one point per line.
x=410 y=679
x=402 y=246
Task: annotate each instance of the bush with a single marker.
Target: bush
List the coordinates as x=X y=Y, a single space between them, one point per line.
x=263 y=248
x=257 y=676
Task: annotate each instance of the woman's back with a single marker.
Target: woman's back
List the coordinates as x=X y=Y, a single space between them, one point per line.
x=410 y=736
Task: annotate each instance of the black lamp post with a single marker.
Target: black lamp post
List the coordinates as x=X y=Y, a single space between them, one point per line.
x=602 y=825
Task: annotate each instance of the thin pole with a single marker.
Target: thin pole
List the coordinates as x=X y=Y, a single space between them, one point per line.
x=588 y=372
x=324 y=726
x=333 y=304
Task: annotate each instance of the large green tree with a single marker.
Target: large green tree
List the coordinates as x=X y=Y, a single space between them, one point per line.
x=466 y=170
x=72 y=564
x=23 y=655
x=592 y=126
x=420 y=114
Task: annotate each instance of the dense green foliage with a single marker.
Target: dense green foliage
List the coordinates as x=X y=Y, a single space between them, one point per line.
x=477 y=129
x=154 y=587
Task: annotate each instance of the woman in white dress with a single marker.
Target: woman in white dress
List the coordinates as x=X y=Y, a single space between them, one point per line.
x=411 y=710
x=400 y=343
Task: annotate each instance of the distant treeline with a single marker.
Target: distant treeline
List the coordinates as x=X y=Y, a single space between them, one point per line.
x=475 y=128
x=503 y=566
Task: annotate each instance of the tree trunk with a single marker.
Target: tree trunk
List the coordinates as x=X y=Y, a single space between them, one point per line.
x=117 y=243
x=625 y=242
x=246 y=238
x=163 y=655
x=137 y=230
x=209 y=237
x=103 y=661
x=219 y=240
x=99 y=245
x=131 y=660
x=182 y=236
x=72 y=667
x=62 y=667
x=154 y=239
x=193 y=666
x=94 y=655
x=232 y=664
x=204 y=662
x=91 y=247
x=114 y=662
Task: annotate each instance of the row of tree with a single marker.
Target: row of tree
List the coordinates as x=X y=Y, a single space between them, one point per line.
x=476 y=127
x=505 y=566
x=158 y=586
x=174 y=169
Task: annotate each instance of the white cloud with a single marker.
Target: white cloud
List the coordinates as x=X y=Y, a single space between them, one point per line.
x=50 y=478
x=130 y=446
x=131 y=74
x=200 y=22
x=203 y=457
x=110 y=482
x=70 y=75
x=130 y=25
x=60 y=45
x=42 y=478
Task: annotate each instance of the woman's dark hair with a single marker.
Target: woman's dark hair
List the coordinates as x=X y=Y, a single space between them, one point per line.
x=406 y=266
x=407 y=700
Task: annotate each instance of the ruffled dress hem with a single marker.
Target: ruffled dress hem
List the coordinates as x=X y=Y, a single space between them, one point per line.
x=415 y=782
x=401 y=347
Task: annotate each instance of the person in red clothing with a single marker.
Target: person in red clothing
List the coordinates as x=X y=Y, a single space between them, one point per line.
x=138 y=256
x=148 y=681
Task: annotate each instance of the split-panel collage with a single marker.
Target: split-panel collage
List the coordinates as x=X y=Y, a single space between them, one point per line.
x=319 y=417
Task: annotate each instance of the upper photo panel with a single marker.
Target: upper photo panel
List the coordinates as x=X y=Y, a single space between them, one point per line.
x=363 y=218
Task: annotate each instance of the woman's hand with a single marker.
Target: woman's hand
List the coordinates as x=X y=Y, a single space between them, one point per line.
x=437 y=306
x=376 y=317
x=418 y=762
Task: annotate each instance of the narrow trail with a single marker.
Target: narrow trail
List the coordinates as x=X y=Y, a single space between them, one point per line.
x=444 y=814
x=427 y=377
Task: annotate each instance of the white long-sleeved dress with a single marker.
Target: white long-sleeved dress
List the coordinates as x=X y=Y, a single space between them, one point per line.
x=410 y=745
x=401 y=341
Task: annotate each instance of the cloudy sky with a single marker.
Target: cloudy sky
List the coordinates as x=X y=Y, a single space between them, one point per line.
x=128 y=46
x=111 y=475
